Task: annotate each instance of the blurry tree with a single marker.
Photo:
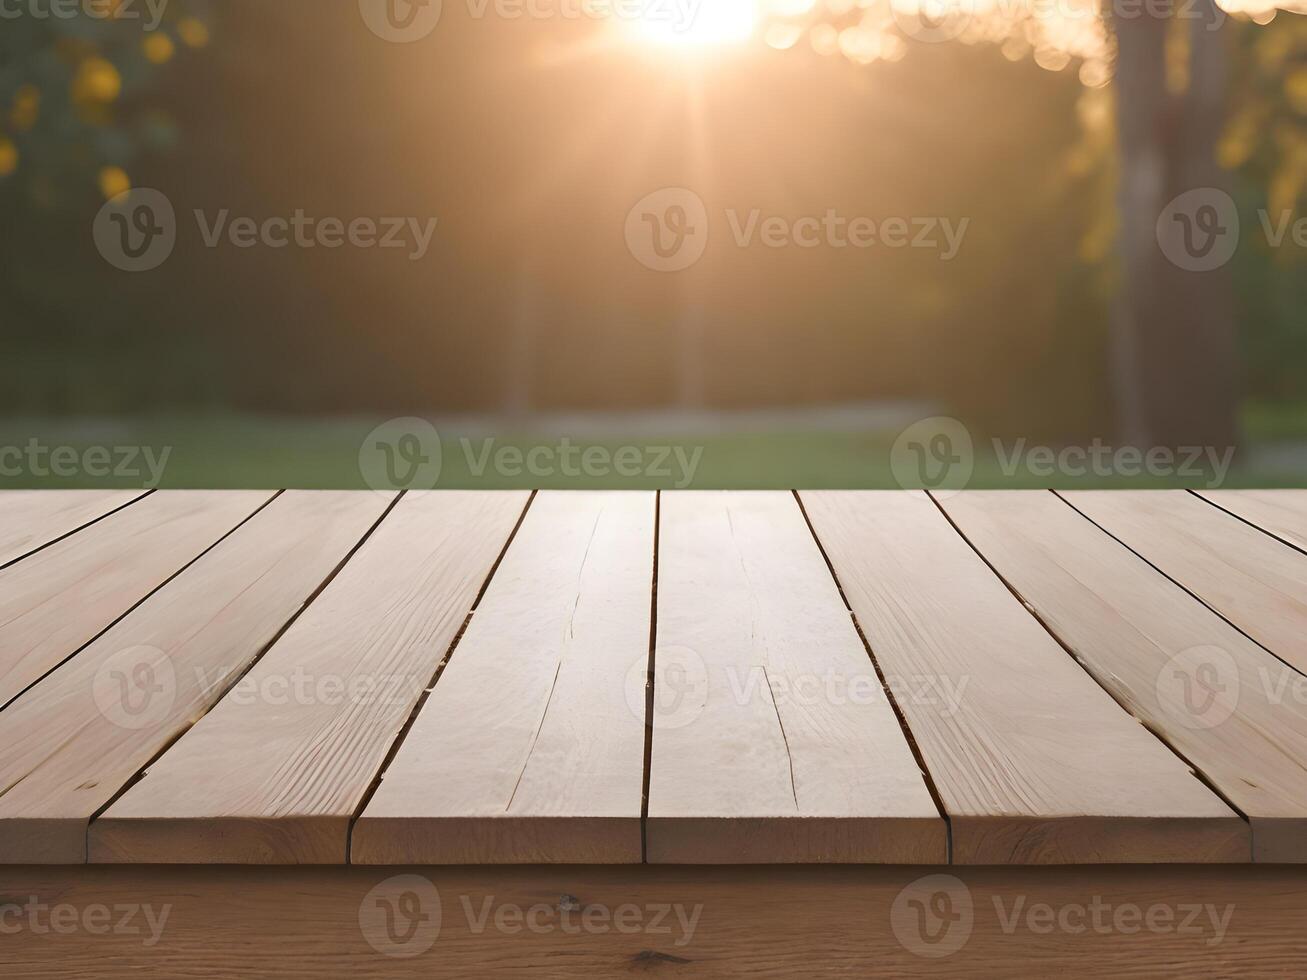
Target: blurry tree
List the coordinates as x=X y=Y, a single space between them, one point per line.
x=1179 y=72
x=1017 y=124
x=80 y=95
x=74 y=90
x=1174 y=331
x=1265 y=143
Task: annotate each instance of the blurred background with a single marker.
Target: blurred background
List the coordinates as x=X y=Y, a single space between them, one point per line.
x=625 y=227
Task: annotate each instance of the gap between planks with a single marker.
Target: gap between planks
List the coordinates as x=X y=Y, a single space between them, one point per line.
x=331 y=576
x=1167 y=575
x=273 y=495
x=1035 y=765
x=740 y=777
x=530 y=748
x=649 y=685
x=1148 y=640
x=1151 y=729
x=371 y=791
x=257 y=782
x=83 y=525
x=884 y=684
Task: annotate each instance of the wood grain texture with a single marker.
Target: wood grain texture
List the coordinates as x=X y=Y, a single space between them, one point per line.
x=772 y=738
x=1034 y=762
x=77 y=737
x=32 y=518
x=55 y=601
x=1282 y=513
x=527 y=750
x=274 y=776
x=1137 y=922
x=1256 y=582
x=1223 y=702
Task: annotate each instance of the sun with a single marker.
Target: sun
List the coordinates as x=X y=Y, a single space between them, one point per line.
x=691 y=24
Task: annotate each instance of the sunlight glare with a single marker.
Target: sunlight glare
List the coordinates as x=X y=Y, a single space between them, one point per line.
x=692 y=24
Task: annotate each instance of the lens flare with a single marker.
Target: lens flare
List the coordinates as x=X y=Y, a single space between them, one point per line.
x=690 y=24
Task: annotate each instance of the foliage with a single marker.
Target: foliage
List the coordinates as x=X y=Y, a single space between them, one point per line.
x=74 y=88
x=266 y=121
x=1266 y=143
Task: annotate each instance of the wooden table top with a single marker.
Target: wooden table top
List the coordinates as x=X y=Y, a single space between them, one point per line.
x=982 y=678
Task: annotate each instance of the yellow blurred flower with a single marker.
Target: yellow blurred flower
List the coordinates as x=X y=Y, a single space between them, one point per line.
x=8 y=157
x=97 y=80
x=194 y=33
x=1273 y=49
x=1239 y=141
x=26 y=108
x=158 y=48
x=114 y=181
x=1295 y=89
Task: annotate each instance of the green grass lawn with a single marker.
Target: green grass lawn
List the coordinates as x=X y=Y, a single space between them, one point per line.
x=232 y=451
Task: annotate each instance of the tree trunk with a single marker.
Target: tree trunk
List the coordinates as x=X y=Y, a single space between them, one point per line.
x=1173 y=333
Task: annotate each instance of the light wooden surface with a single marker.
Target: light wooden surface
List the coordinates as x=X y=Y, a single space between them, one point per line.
x=1133 y=922
x=1256 y=582
x=1204 y=687
x=277 y=778
x=1282 y=513
x=30 y=519
x=527 y=750
x=76 y=738
x=775 y=744
x=1101 y=714
x=62 y=597
x=1034 y=761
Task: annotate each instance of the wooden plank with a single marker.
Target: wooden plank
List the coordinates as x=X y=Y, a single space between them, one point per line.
x=1282 y=513
x=276 y=774
x=1034 y=762
x=32 y=518
x=773 y=741
x=1134 y=921
x=80 y=735
x=1256 y=582
x=527 y=750
x=58 y=599
x=1222 y=701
